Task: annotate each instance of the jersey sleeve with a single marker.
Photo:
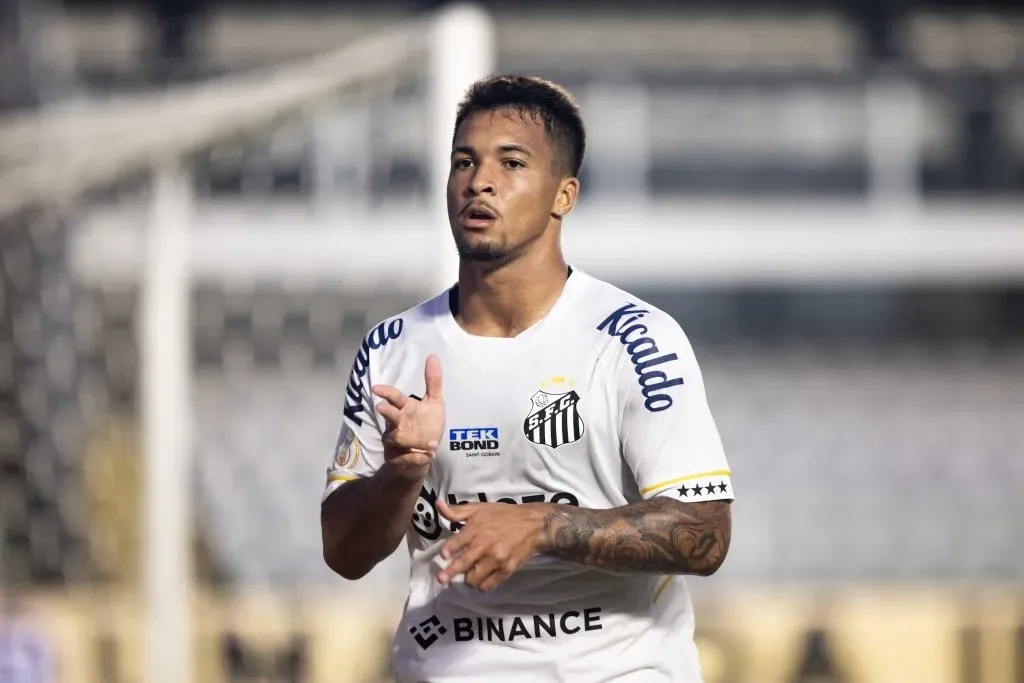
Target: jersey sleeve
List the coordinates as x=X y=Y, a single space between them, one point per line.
x=359 y=450
x=668 y=436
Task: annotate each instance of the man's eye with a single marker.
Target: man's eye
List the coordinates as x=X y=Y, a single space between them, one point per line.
x=514 y=163
x=462 y=163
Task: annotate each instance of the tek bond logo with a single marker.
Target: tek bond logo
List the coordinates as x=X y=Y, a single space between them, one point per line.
x=474 y=441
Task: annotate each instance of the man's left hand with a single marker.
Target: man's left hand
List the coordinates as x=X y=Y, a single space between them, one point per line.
x=495 y=540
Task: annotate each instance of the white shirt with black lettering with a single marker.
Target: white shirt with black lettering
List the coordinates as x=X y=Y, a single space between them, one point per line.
x=600 y=404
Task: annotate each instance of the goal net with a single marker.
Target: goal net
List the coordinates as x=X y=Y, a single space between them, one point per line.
x=193 y=270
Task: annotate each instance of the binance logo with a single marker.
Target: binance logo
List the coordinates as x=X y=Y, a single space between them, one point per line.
x=428 y=632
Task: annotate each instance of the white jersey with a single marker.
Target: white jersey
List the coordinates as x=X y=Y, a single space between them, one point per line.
x=599 y=405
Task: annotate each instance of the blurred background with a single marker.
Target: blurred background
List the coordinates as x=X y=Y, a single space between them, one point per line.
x=205 y=204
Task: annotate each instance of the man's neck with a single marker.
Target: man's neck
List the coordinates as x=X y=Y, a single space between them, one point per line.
x=505 y=301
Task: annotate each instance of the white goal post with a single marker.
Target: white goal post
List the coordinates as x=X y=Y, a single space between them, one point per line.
x=49 y=160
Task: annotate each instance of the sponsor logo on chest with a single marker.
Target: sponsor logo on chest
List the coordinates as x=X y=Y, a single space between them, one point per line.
x=507 y=629
x=427 y=522
x=474 y=441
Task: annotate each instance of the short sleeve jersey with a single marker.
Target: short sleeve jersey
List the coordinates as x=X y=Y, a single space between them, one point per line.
x=598 y=405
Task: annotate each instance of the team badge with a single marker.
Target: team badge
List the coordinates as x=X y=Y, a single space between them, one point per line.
x=554 y=419
x=349 y=449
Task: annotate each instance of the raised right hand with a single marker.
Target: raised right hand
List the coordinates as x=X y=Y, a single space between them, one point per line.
x=414 y=428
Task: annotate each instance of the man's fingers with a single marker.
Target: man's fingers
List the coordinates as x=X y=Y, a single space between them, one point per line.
x=389 y=412
x=493 y=580
x=391 y=395
x=456 y=513
x=481 y=573
x=460 y=565
x=418 y=458
x=432 y=377
x=454 y=545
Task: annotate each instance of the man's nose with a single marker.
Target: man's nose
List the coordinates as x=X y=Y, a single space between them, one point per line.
x=482 y=182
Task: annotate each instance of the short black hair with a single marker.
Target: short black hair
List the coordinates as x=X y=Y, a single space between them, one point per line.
x=536 y=97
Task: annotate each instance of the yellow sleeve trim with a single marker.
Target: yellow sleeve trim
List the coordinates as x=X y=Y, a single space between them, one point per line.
x=678 y=480
x=661 y=588
x=340 y=477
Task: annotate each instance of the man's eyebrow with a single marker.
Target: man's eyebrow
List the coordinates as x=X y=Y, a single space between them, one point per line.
x=504 y=149
x=515 y=148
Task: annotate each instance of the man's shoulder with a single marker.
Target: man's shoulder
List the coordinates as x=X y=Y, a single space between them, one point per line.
x=644 y=345
x=401 y=330
x=615 y=312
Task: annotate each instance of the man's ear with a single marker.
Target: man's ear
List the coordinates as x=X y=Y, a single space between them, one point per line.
x=565 y=199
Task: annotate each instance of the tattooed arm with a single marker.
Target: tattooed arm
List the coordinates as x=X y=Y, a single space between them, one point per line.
x=657 y=536
x=660 y=535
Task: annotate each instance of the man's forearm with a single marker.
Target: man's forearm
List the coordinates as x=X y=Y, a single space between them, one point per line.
x=364 y=521
x=659 y=535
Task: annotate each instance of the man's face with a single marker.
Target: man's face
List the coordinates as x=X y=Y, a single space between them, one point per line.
x=502 y=186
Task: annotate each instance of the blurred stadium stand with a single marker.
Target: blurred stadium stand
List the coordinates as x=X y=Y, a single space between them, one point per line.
x=703 y=81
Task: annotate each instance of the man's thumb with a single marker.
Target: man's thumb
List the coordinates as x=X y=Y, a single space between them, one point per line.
x=432 y=377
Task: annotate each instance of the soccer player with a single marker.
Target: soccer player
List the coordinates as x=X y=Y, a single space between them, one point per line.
x=566 y=473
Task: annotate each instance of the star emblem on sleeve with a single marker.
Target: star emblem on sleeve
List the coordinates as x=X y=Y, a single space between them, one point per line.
x=697 y=490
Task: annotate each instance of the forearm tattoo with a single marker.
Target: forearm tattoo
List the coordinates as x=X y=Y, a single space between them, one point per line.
x=659 y=535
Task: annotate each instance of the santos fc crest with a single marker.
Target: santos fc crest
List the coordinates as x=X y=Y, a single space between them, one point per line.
x=554 y=419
